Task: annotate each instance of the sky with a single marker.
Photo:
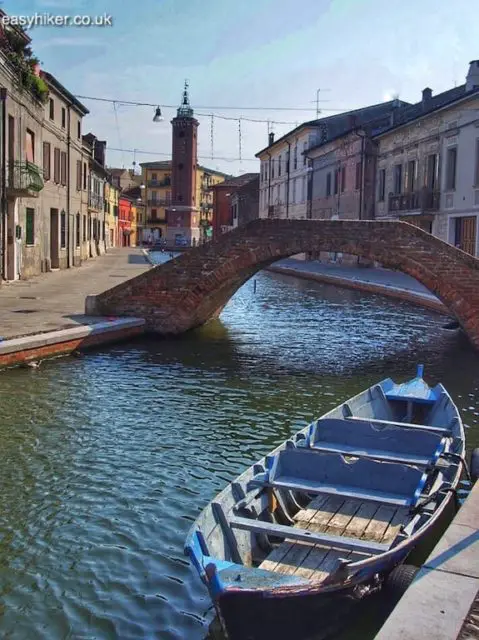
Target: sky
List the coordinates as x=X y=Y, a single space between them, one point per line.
x=248 y=53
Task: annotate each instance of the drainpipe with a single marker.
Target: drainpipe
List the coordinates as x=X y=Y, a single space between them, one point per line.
x=269 y=181
x=69 y=238
x=361 y=184
x=287 y=178
x=3 y=230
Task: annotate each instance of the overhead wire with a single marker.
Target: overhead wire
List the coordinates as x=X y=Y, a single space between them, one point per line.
x=156 y=153
x=208 y=115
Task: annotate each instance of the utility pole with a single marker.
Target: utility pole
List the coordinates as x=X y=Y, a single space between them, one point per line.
x=317 y=103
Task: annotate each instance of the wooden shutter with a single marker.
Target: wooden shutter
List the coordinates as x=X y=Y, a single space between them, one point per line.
x=56 y=165
x=46 y=161
x=63 y=168
x=79 y=175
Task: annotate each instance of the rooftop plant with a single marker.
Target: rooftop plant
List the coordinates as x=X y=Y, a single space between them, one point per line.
x=16 y=47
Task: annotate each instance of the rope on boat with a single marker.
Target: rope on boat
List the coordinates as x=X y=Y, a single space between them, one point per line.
x=459 y=458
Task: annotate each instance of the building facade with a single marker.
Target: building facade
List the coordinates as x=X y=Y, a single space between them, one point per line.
x=61 y=198
x=235 y=202
x=95 y=150
x=112 y=195
x=428 y=165
x=206 y=180
x=245 y=201
x=124 y=221
x=156 y=197
x=157 y=180
x=285 y=180
x=22 y=228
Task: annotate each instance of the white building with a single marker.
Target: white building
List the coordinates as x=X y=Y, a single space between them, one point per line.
x=284 y=173
x=428 y=165
x=285 y=184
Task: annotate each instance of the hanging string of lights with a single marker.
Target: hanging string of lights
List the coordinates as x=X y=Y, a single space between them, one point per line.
x=168 y=155
x=158 y=117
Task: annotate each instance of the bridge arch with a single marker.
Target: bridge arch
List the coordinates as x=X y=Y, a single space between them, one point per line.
x=188 y=291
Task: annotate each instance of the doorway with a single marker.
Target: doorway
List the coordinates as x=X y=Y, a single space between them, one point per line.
x=465 y=234
x=54 y=244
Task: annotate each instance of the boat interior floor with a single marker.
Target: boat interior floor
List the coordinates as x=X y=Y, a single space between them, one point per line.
x=337 y=516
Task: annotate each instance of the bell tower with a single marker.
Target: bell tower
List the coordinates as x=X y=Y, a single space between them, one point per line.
x=183 y=215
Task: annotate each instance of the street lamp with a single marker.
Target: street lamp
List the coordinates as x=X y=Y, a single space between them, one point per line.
x=157 y=117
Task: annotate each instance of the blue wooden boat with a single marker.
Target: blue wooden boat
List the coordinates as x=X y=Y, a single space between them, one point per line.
x=320 y=522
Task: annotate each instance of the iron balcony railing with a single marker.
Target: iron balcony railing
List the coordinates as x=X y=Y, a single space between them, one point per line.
x=156 y=221
x=24 y=176
x=159 y=202
x=95 y=201
x=426 y=200
x=166 y=182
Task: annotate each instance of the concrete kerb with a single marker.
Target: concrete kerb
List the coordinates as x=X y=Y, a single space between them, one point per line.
x=40 y=346
x=440 y=597
x=64 y=335
x=428 y=301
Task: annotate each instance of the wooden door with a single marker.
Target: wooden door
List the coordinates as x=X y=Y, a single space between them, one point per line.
x=466 y=234
x=54 y=240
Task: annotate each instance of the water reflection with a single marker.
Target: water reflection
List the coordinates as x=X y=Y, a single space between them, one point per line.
x=106 y=460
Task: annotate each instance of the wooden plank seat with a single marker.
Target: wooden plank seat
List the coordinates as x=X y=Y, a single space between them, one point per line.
x=404 y=425
x=338 y=516
x=387 y=442
x=319 y=473
x=295 y=533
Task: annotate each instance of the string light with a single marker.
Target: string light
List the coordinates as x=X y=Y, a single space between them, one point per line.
x=168 y=155
x=208 y=115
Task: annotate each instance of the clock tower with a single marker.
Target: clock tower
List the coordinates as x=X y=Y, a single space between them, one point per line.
x=183 y=214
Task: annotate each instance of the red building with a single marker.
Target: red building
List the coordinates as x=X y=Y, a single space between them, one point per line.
x=223 y=192
x=124 y=221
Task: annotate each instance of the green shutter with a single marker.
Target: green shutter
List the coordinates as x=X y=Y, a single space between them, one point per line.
x=30 y=227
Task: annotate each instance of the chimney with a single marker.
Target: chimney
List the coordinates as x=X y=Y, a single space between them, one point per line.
x=99 y=151
x=270 y=138
x=426 y=95
x=472 y=78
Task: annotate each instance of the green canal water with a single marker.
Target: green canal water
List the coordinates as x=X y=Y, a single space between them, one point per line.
x=106 y=460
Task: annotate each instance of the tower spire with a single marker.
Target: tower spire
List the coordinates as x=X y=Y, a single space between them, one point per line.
x=185 y=110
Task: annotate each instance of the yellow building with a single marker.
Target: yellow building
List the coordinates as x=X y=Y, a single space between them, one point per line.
x=112 y=193
x=205 y=179
x=157 y=197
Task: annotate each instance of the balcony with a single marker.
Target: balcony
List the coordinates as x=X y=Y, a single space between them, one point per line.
x=424 y=200
x=166 y=182
x=95 y=201
x=159 y=202
x=24 y=180
x=155 y=221
x=206 y=206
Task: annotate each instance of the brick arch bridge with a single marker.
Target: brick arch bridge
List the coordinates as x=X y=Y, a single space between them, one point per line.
x=188 y=291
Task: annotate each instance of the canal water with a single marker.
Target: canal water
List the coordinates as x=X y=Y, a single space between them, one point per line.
x=105 y=460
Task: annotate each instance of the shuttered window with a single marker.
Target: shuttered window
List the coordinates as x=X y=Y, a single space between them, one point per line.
x=79 y=175
x=63 y=168
x=56 y=165
x=30 y=226
x=46 y=161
